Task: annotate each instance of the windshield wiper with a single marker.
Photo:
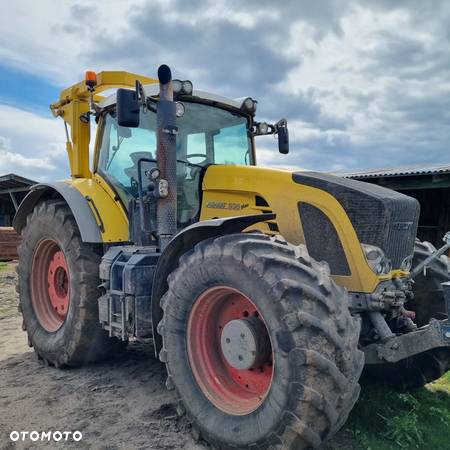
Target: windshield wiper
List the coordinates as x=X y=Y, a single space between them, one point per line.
x=189 y=163
x=115 y=149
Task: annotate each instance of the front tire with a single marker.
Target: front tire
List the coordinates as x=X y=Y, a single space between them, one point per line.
x=58 y=289
x=308 y=381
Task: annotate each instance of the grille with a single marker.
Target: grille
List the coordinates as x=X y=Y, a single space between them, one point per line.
x=380 y=216
x=322 y=240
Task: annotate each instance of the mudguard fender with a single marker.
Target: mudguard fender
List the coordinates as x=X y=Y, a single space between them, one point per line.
x=90 y=229
x=184 y=241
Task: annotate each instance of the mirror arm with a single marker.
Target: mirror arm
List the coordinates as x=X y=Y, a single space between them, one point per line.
x=280 y=123
x=151 y=104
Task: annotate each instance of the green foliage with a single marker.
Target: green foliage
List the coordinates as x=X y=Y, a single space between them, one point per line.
x=404 y=428
x=3 y=265
x=442 y=385
x=384 y=419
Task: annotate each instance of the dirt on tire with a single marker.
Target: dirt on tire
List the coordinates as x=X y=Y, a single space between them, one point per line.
x=117 y=404
x=314 y=344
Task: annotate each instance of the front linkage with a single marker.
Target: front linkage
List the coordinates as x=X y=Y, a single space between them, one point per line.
x=393 y=348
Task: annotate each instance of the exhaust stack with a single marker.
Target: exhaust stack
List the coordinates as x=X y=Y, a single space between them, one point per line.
x=166 y=156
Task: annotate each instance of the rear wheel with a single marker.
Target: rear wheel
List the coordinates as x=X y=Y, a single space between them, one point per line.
x=259 y=344
x=50 y=291
x=58 y=289
x=429 y=301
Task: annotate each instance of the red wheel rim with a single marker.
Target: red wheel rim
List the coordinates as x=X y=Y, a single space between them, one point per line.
x=50 y=286
x=234 y=391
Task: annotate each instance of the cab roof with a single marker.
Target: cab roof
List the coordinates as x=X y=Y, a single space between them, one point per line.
x=152 y=90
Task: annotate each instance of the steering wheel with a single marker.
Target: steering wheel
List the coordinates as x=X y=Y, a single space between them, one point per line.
x=197 y=155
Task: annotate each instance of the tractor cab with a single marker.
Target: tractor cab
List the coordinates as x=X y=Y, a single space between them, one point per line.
x=211 y=130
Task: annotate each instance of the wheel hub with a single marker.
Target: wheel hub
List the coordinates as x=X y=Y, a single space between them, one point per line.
x=50 y=285
x=229 y=350
x=58 y=283
x=245 y=343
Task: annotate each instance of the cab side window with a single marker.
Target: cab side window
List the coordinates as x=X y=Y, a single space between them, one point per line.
x=121 y=149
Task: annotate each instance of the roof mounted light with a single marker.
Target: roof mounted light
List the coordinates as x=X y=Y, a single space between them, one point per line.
x=249 y=105
x=177 y=84
x=182 y=87
x=187 y=87
x=90 y=79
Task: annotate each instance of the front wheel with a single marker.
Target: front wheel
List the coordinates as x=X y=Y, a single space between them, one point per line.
x=259 y=344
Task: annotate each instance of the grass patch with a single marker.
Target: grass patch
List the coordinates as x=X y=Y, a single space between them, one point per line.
x=384 y=419
x=443 y=384
x=3 y=265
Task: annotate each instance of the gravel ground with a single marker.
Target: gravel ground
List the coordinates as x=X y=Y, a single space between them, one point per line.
x=116 y=405
x=120 y=404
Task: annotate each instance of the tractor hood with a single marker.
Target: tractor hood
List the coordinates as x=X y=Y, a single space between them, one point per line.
x=333 y=216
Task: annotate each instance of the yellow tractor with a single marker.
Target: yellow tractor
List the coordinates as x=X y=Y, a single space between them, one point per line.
x=265 y=291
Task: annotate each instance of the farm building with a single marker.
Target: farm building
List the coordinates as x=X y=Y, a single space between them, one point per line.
x=13 y=189
x=430 y=185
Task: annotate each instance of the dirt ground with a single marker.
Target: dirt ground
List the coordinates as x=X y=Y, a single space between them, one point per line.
x=121 y=404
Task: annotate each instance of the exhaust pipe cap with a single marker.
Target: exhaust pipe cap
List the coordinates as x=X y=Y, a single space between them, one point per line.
x=164 y=74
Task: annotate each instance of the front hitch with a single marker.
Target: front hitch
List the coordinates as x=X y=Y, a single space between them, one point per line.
x=429 y=337
x=434 y=335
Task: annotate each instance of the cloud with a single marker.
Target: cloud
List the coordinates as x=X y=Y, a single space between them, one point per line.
x=12 y=162
x=362 y=83
x=31 y=145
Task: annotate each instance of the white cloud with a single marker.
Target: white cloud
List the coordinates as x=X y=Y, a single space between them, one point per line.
x=361 y=83
x=12 y=162
x=31 y=145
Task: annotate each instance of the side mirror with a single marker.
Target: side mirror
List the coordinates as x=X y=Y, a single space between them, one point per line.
x=127 y=108
x=283 y=137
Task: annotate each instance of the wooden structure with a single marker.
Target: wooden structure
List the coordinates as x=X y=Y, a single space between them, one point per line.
x=13 y=189
x=9 y=241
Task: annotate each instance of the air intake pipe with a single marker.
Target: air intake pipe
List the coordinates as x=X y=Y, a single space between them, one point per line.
x=166 y=156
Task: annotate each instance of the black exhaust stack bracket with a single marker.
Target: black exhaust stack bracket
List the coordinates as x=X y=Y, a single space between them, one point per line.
x=166 y=156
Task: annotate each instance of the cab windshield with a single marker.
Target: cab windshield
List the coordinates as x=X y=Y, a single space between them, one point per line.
x=206 y=135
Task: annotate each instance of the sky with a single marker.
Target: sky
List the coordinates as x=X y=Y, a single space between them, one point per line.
x=363 y=84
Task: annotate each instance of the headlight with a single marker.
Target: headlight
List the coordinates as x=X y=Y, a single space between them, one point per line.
x=376 y=259
x=407 y=263
x=179 y=109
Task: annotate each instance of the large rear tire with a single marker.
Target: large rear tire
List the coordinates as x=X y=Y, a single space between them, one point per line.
x=429 y=301
x=58 y=289
x=303 y=388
